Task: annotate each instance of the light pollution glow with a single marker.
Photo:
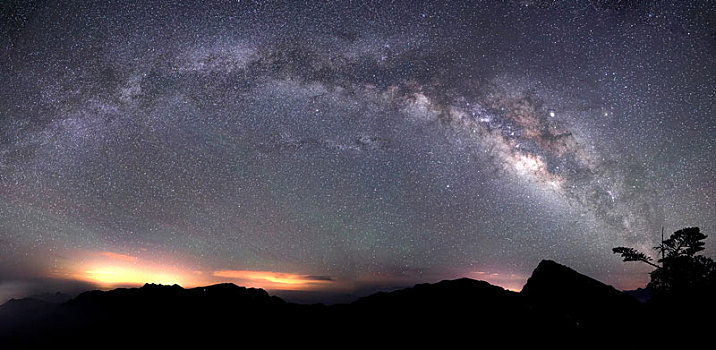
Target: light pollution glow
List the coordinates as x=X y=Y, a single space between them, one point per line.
x=273 y=280
x=110 y=276
x=508 y=281
x=111 y=270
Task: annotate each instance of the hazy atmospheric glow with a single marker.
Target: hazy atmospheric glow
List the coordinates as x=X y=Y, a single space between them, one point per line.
x=112 y=276
x=271 y=280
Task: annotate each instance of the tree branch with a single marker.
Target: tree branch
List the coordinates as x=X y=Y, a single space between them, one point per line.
x=631 y=254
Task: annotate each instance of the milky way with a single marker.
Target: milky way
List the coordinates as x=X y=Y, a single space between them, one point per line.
x=344 y=147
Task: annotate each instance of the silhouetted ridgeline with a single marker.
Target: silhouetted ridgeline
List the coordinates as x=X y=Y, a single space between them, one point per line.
x=586 y=302
x=557 y=305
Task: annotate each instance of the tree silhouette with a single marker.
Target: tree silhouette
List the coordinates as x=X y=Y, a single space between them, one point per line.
x=680 y=271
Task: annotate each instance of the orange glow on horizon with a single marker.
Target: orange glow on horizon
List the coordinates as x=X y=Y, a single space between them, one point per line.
x=112 y=276
x=507 y=281
x=273 y=280
x=117 y=256
x=108 y=269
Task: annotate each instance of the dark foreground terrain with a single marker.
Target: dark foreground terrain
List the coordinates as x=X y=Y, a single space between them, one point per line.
x=556 y=306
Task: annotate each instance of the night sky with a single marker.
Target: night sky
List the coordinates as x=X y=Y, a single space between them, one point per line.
x=333 y=148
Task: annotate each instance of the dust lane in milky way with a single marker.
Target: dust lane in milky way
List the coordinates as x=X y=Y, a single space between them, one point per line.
x=344 y=147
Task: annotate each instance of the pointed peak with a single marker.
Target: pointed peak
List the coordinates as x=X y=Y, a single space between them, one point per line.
x=551 y=273
x=551 y=267
x=549 y=263
x=553 y=279
x=558 y=288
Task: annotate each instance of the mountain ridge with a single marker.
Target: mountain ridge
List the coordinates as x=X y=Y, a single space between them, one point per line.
x=435 y=311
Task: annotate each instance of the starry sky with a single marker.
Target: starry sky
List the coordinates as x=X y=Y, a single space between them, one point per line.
x=334 y=148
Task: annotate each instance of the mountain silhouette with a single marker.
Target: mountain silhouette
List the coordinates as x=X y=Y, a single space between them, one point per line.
x=459 y=305
x=641 y=294
x=555 y=301
x=22 y=314
x=590 y=305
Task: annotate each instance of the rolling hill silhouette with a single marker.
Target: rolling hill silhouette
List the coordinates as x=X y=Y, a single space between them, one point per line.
x=556 y=303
